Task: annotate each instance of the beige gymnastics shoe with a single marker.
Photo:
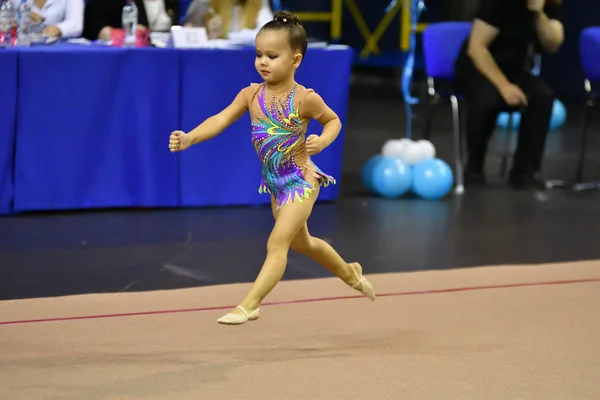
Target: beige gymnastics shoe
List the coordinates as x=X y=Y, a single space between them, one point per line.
x=363 y=285
x=237 y=319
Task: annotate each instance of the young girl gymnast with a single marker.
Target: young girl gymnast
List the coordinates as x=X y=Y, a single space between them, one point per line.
x=280 y=110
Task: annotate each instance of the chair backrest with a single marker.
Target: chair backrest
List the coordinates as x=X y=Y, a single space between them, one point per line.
x=442 y=42
x=589 y=50
x=276 y=5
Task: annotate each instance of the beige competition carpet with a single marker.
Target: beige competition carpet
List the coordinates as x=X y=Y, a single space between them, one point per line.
x=490 y=333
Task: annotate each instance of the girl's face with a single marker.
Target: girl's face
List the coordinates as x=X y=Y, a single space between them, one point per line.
x=275 y=60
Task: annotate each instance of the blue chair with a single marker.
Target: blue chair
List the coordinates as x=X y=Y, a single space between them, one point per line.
x=276 y=5
x=589 y=49
x=441 y=45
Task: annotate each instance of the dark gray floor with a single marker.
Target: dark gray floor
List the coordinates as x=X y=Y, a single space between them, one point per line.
x=123 y=250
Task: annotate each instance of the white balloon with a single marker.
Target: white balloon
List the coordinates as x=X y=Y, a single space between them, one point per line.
x=405 y=141
x=427 y=149
x=411 y=153
x=392 y=148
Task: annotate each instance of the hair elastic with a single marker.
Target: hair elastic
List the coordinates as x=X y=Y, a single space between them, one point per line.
x=284 y=20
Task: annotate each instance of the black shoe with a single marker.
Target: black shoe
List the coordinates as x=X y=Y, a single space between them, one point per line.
x=527 y=181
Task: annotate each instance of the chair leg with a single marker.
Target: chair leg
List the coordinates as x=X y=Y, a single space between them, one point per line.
x=460 y=187
x=579 y=184
x=430 y=106
x=506 y=151
x=584 y=134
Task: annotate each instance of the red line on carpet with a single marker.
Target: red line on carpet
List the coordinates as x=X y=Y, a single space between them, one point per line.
x=315 y=300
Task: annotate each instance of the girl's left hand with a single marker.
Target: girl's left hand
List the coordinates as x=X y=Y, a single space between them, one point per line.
x=314 y=144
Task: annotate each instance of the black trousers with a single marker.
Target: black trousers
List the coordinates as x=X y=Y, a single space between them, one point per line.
x=485 y=104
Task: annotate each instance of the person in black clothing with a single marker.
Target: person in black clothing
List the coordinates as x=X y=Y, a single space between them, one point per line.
x=101 y=15
x=493 y=73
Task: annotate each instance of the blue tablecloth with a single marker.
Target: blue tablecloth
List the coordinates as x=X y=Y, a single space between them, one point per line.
x=93 y=126
x=8 y=107
x=226 y=169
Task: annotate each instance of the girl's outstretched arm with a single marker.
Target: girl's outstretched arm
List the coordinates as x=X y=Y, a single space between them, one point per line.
x=208 y=129
x=216 y=124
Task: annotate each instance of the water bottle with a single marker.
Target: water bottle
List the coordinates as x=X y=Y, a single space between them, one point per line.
x=23 y=23
x=129 y=19
x=7 y=24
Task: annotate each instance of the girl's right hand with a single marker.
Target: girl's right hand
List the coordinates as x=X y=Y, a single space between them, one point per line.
x=179 y=141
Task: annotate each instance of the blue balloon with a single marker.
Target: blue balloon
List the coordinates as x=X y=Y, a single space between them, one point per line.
x=391 y=177
x=367 y=172
x=559 y=115
x=502 y=121
x=432 y=179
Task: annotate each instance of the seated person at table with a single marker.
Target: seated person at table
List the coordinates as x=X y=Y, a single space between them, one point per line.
x=102 y=15
x=225 y=18
x=162 y=14
x=200 y=14
x=59 y=18
x=493 y=72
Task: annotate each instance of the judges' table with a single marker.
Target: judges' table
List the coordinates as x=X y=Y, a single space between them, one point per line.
x=8 y=107
x=93 y=126
x=226 y=169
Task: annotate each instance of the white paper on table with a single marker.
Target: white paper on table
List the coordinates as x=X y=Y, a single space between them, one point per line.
x=79 y=41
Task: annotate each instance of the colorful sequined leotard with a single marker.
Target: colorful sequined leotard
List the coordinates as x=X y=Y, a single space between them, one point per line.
x=279 y=125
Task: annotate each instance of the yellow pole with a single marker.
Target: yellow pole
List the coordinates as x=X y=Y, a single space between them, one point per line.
x=310 y=16
x=379 y=31
x=361 y=24
x=405 y=27
x=336 y=19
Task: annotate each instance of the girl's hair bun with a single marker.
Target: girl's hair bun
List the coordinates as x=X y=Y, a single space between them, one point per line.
x=286 y=17
x=290 y=23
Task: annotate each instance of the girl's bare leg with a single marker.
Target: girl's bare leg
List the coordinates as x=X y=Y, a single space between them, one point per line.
x=323 y=253
x=291 y=218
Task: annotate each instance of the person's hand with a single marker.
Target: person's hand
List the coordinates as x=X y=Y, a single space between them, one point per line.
x=513 y=95
x=36 y=18
x=536 y=5
x=179 y=141
x=52 y=31
x=314 y=144
x=104 y=34
x=214 y=27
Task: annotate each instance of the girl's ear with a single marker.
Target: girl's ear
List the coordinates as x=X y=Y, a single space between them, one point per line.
x=297 y=60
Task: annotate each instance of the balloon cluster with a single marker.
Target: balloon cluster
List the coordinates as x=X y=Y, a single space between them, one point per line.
x=405 y=166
